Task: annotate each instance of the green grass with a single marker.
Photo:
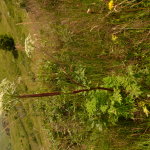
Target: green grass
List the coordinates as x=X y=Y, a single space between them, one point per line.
x=23 y=134
x=83 y=44
x=4 y=139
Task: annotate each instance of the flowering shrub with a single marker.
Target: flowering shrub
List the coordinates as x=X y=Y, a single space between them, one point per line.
x=7 y=89
x=5 y=86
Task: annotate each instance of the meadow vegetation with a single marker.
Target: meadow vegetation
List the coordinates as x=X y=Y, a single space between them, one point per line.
x=79 y=45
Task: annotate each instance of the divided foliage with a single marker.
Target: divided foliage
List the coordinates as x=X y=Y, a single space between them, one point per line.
x=108 y=107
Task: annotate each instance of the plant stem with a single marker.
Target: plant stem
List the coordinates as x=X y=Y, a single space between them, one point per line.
x=60 y=66
x=59 y=93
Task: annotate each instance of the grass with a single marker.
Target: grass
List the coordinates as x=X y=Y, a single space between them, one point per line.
x=20 y=66
x=86 y=41
x=82 y=43
x=4 y=139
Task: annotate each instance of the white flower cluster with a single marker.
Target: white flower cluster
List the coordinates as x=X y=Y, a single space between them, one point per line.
x=29 y=46
x=7 y=87
x=4 y=87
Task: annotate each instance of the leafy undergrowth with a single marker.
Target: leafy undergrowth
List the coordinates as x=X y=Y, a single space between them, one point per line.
x=103 y=48
x=97 y=46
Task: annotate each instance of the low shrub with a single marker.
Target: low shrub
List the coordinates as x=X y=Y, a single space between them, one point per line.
x=7 y=42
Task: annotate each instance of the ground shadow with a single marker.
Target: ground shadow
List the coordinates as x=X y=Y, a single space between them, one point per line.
x=15 y=53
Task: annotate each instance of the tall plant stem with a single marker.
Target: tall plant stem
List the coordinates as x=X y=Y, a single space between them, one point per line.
x=60 y=66
x=59 y=93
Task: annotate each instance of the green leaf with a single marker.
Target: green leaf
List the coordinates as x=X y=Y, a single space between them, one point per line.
x=117 y=96
x=112 y=110
x=103 y=108
x=146 y=111
x=91 y=106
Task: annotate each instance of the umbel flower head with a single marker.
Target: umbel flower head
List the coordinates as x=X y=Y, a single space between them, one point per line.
x=6 y=88
x=29 y=46
x=111 y=4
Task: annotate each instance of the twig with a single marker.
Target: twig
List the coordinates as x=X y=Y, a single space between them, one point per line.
x=70 y=145
x=123 y=28
x=94 y=27
x=26 y=23
x=9 y=117
x=143 y=39
x=40 y=95
x=8 y=125
x=63 y=145
x=132 y=28
x=31 y=137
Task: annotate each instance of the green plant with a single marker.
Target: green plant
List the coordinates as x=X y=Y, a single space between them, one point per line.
x=64 y=33
x=108 y=107
x=6 y=42
x=23 y=4
x=7 y=91
x=90 y=57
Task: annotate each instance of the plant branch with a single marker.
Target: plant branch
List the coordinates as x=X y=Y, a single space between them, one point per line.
x=60 y=66
x=59 y=93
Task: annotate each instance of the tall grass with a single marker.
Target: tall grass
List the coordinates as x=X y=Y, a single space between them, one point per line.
x=87 y=41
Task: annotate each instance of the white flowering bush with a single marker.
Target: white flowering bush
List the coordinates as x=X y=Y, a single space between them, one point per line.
x=29 y=46
x=7 y=90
